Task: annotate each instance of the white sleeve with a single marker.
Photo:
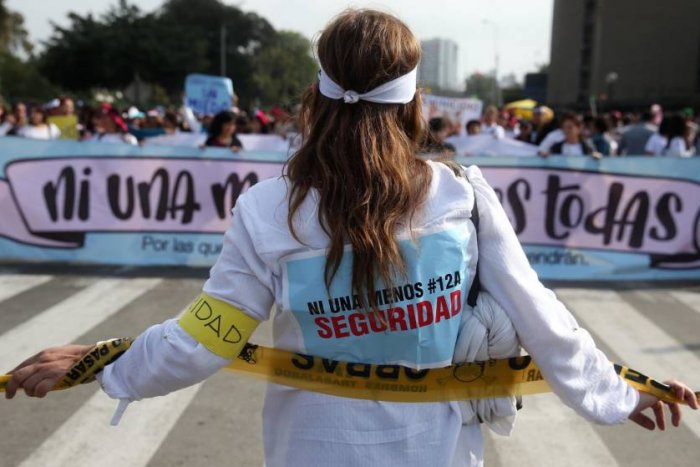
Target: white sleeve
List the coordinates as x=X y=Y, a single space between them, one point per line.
x=547 y=142
x=192 y=122
x=653 y=147
x=161 y=360
x=165 y=358
x=678 y=148
x=577 y=371
x=240 y=276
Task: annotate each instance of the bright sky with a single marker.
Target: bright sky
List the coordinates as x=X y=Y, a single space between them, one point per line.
x=521 y=29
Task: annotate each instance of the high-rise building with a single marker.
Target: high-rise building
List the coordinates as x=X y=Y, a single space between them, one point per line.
x=625 y=53
x=438 y=66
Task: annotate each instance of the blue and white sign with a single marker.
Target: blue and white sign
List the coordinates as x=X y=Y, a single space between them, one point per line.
x=421 y=309
x=207 y=94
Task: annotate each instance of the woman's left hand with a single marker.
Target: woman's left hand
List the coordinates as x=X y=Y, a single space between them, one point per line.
x=647 y=401
x=40 y=373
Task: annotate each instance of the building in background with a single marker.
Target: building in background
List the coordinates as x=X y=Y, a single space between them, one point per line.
x=625 y=53
x=438 y=66
x=535 y=87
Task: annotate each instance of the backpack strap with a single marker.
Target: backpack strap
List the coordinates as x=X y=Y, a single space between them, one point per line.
x=476 y=283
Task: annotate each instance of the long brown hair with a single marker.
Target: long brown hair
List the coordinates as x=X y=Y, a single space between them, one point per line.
x=361 y=157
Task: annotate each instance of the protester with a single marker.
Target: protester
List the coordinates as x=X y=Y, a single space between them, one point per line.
x=111 y=128
x=489 y=123
x=543 y=123
x=658 y=141
x=6 y=120
x=260 y=123
x=439 y=128
x=170 y=124
x=601 y=138
x=65 y=107
x=38 y=127
x=635 y=137
x=222 y=132
x=553 y=135
x=679 y=134
x=473 y=127
x=526 y=130
x=336 y=222
x=243 y=124
x=509 y=124
x=18 y=118
x=573 y=144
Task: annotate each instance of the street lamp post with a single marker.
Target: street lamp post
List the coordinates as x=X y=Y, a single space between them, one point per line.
x=496 y=59
x=222 y=47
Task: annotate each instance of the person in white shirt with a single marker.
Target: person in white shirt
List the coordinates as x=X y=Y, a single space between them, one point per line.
x=573 y=143
x=680 y=138
x=18 y=118
x=552 y=138
x=357 y=213
x=38 y=127
x=659 y=140
x=489 y=123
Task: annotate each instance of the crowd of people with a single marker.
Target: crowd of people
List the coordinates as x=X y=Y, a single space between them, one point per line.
x=651 y=132
x=105 y=123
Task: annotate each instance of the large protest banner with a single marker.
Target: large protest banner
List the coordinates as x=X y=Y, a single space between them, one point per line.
x=626 y=218
x=615 y=219
x=120 y=204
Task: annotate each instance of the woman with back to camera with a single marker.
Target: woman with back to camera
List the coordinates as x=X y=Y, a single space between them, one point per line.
x=356 y=182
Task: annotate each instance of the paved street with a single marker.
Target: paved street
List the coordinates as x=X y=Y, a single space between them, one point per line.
x=654 y=330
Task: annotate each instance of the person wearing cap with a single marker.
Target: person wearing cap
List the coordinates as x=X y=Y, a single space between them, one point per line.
x=111 y=128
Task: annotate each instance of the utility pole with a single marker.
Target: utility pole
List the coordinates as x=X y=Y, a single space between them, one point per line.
x=222 y=47
x=497 y=97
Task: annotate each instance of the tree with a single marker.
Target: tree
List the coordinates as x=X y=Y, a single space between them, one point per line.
x=483 y=87
x=110 y=51
x=245 y=35
x=284 y=68
x=21 y=80
x=13 y=35
x=181 y=37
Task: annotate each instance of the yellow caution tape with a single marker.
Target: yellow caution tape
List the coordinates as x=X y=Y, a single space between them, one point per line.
x=393 y=383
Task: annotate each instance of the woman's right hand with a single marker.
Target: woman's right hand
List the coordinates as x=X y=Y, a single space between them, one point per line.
x=40 y=373
x=647 y=401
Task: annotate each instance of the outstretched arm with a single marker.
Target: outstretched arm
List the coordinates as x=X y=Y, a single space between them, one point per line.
x=578 y=372
x=179 y=352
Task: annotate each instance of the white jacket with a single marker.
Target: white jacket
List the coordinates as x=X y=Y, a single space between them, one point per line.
x=309 y=429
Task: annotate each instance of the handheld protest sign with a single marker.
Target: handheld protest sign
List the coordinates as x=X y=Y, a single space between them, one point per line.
x=207 y=94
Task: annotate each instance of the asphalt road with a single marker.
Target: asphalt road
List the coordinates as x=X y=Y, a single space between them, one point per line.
x=651 y=328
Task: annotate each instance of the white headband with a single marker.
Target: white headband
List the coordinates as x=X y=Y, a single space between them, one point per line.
x=397 y=91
